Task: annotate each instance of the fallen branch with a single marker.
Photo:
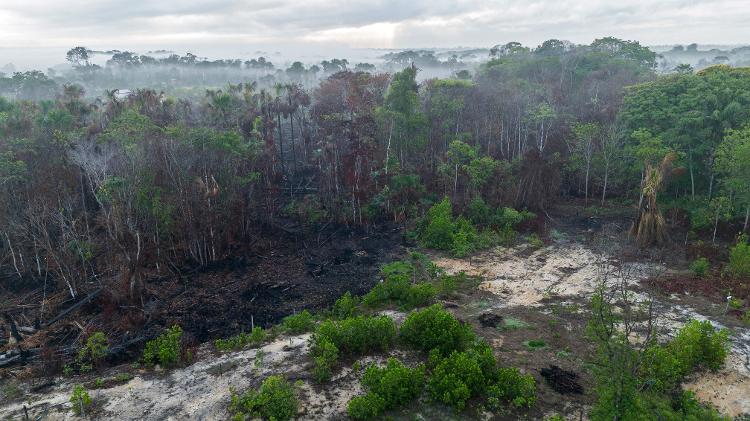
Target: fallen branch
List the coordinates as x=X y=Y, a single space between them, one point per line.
x=74 y=307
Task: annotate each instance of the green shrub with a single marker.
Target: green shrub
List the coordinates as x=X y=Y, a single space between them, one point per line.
x=438 y=232
x=513 y=387
x=254 y=338
x=700 y=267
x=478 y=212
x=296 y=324
x=325 y=354
x=739 y=258
x=360 y=335
x=346 y=306
x=699 y=344
x=535 y=241
x=366 y=407
x=349 y=337
x=80 y=399
x=399 y=289
x=275 y=400
x=396 y=383
x=535 y=344
x=95 y=350
x=464 y=240
x=457 y=378
x=436 y=328
x=165 y=349
x=660 y=370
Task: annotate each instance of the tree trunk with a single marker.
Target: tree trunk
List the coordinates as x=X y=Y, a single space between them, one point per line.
x=606 y=178
x=747 y=216
x=716 y=223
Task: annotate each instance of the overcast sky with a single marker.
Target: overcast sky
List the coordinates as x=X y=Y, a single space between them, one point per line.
x=243 y=26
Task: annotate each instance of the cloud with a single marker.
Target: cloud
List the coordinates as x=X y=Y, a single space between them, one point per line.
x=243 y=24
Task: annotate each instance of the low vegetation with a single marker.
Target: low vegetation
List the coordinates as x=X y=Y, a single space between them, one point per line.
x=440 y=230
x=275 y=400
x=165 y=350
x=80 y=400
x=638 y=381
x=387 y=387
x=253 y=339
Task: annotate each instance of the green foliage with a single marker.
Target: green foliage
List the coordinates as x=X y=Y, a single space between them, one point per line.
x=388 y=387
x=635 y=384
x=699 y=344
x=275 y=401
x=296 y=324
x=366 y=407
x=438 y=233
x=535 y=344
x=535 y=241
x=512 y=387
x=461 y=375
x=346 y=306
x=436 y=328
x=325 y=354
x=348 y=337
x=80 y=399
x=359 y=335
x=700 y=267
x=95 y=350
x=398 y=286
x=165 y=349
x=252 y=339
x=739 y=258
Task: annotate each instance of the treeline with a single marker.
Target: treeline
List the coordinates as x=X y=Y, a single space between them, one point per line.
x=119 y=189
x=188 y=75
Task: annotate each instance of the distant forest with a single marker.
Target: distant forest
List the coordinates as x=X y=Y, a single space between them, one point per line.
x=121 y=187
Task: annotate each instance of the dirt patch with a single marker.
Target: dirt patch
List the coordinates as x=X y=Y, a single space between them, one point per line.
x=728 y=390
x=562 y=381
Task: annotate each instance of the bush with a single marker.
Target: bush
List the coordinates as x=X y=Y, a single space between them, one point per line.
x=346 y=306
x=456 y=378
x=699 y=344
x=325 y=354
x=165 y=349
x=95 y=350
x=396 y=383
x=275 y=400
x=80 y=399
x=438 y=232
x=436 y=328
x=739 y=258
x=296 y=324
x=513 y=387
x=366 y=407
x=253 y=339
x=478 y=212
x=399 y=289
x=660 y=370
x=465 y=238
x=360 y=335
x=699 y=267
x=352 y=336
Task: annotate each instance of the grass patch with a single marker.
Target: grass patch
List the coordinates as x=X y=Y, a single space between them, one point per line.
x=535 y=344
x=512 y=323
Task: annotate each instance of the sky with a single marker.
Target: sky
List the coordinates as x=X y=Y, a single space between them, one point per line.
x=36 y=32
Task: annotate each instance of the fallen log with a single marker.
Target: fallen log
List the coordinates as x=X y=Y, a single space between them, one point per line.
x=75 y=306
x=6 y=362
